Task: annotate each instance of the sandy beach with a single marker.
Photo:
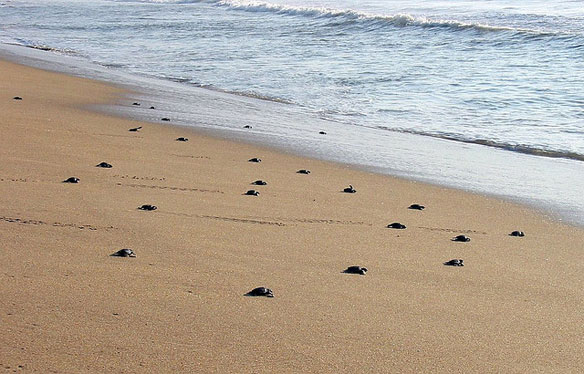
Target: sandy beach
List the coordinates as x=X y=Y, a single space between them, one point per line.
x=67 y=306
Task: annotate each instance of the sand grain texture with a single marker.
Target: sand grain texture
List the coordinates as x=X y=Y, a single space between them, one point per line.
x=67 y=306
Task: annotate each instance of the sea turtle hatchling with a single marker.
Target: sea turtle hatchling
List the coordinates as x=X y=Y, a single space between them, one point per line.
x=454 y=262
x=255 y=159
x=303 y=171
x=461 y=238
x=350 y=189
x=396 y=225
x=259 y=182
x=181 y=139
x=71 y=180
x=148 y=207
x=355 y=270
x=126 y=252
x=517 y=233
x=261 y=291
x=104 y=165
x=417 y=207
x=253 y=193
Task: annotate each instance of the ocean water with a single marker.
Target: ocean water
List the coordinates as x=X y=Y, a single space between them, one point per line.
x=483 y=95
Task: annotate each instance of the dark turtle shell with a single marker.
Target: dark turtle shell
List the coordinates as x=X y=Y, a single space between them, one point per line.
x=152 y=107
x=181 y=139
x=350 y=189
x=303 y=171
x=126 y=252
x=322 y=133
x=355 y=270
x=517 y=233
x=261 y=291
x=17 y=98
x=135 y=129
x=255 y=159
x=247 y=127
x=136 y=104
x=461 y=238
x=148 y=207
x=417 y=207
x=165 y=119
x=260 y=182
x=104 y=165
x=252 y=193
x=454 y=262
x=71 y=180
x=396 y=225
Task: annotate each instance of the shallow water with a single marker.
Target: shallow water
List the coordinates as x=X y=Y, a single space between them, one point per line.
x=373 y=74
x=503 y=73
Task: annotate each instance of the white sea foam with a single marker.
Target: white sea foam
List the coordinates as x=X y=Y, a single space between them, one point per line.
x=396 y=20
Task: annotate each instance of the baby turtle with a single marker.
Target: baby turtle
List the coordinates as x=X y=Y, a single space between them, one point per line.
x=350 y=189
x=356 y=270
x=461 y=238
x=135 y=129
x=260 y=291
x=104 y=165
x=260 y=183
x=303 y=171
x=417 y=207
x=253 y=193
x=247 y=127
x=17 y=98
x=322 y=133
x=148 y=207
x=136 y=104
x=152 y=107
x=455 y=262
x=181 y=139
x=517 y=233
x=71 y=180
x=396 y=225
x=255 y=159
x=165 y=119
x=126 y=252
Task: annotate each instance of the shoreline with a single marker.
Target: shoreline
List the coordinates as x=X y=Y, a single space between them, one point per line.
x=515 y=177
x=70 y=307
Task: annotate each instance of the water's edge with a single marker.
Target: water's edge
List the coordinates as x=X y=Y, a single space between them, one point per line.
x=171 y=97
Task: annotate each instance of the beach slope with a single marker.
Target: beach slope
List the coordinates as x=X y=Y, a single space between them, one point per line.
x=67 y=306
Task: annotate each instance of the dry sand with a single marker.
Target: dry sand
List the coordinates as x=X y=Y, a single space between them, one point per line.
x=66 y=306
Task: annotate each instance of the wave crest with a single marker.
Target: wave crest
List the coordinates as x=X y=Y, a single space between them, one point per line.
x=348 y=15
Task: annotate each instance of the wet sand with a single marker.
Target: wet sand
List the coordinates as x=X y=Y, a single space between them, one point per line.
x=67 y=306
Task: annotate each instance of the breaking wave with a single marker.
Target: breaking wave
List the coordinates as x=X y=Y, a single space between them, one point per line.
x=348 y=16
